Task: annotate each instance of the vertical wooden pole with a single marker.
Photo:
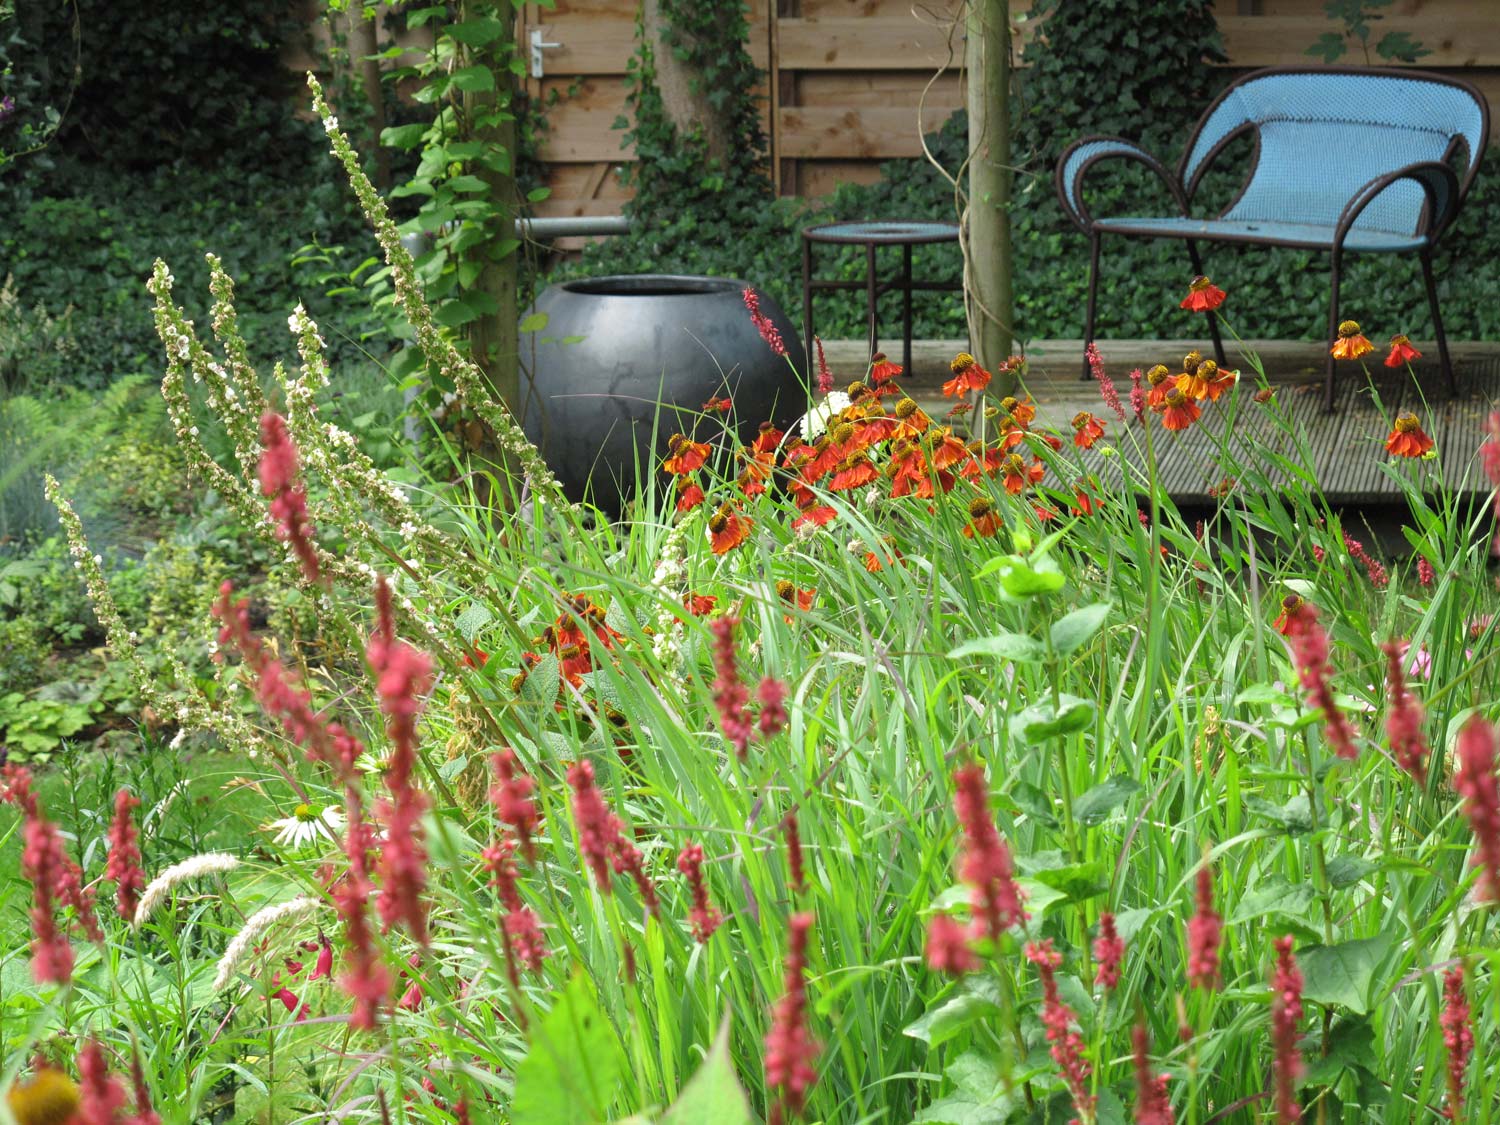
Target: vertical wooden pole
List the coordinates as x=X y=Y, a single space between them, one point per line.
x=986 y=237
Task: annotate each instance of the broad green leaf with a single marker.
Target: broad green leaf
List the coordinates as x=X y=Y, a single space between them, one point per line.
x=1034 y=803
x=714 y=1092
x=1076 y=880
x=1074 y=630
x=1042 y=721
x=975 y=999
x=533 y=322
x=473 y=619
x=1262 y=693
x=1007 y=646
x=1095 y=805
x=572 y=1066
x=1346 y=870
x=1293 y=818
x=1342 y=974
x=403 y=136
x=1274 y=895
x=967 y=1109
x=1028 y=578
x=472 y=79
x=476 y=32
x=540 y=685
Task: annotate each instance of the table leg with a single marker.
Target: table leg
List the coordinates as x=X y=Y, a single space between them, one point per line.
x=870 y=295
x=807 y=312
x=906 y=309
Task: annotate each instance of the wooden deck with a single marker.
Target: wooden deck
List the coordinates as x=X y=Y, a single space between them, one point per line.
x=1346 y=449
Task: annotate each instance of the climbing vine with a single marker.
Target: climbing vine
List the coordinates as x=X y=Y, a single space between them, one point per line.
x=676 y=171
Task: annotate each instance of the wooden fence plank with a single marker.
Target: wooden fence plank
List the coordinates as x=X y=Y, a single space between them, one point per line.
x=1470 y=40
x=824 y=132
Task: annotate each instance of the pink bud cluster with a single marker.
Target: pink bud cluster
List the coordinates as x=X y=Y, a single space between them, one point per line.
x=1152 y=1106
x=987 y=867
x=101 y=1096
x=1309 y=645
x=520 y=929
x=731 y=697
x=281 y=483
x=1476 y=784
x=768 y=331
x=825 y=375
x=601 y=838
x=796 y=872
x=1286 y=1013
x=790 y=1048
x=1109 y=951
x=1137 y=395
x=1425 y=574
x=1057 y=1018
x=1403 y=720
x=1377 y=572
x=1106 y=384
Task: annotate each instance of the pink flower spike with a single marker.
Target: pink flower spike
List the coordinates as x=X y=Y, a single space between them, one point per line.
x=1458 y=1038
x=730 y=695
x=1152 y=1106
x=100 y=1095
x=1106 y=385
x=772 y=697
x=1205 y=933
x=1286 y=1013
x=1403 y=720
x=1309 y=644
x=704 y=918
x=987 y=866
x=124 y=865
x=790 y=1049
x=1476 y=784
x=1137 y=395
x=1109 y=951
x=768 y=331
x=511 y=797
x=1057 y=1018
x=825 y=376
x=281 y=484
x=948 y=947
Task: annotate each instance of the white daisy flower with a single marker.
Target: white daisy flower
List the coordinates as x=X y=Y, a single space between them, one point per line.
x=306 y=825
x=812 y=424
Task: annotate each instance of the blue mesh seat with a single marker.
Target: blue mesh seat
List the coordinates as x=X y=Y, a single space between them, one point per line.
x=1345 y=160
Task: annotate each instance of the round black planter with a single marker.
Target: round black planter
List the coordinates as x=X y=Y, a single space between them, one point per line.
x=623 y=358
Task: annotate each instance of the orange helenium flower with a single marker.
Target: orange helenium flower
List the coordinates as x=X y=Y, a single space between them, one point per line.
x=1289 y=607
x=718 y=406
x=984 y=521
x=727 y=529
x=911 y=418
x=853 y=473
x=1178 y=412
x=1401 y=352
x=788 y=592
x=1087 y=429
x=1350 y=344
x=818 y=517
x=1194 y=381
x=685 y=456
x=1407 y=438
x=1160 y=381
x=882 y=370
x=1018 y=474
x=1203 y=296
x=1219 y=381
x=689 y=494
x=967 y=375
x=1021 y=413
x=949 y=451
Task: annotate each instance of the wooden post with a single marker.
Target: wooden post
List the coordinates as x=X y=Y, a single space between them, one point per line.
x=986 y=233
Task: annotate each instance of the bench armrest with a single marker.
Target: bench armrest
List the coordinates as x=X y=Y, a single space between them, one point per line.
x=1082 y=155
x=1437 y=182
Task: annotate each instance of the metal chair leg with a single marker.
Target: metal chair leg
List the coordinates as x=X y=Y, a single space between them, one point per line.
x=807 y=312
x=1213 y=317
x=1333 y=333
x=1437 y=324
x=1088 y=316
x=872 y=297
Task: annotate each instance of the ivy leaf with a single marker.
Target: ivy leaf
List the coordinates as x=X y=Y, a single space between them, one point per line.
x=1094 y=806
x=1006 y=646
x=474 y=79
x=476 y=32
x=1342 y=973
x=713 y=1093
x=572 y=1067
x=1075 y=629
x=1329 y=47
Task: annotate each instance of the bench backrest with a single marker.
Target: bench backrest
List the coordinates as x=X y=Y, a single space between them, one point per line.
x=1323 y=134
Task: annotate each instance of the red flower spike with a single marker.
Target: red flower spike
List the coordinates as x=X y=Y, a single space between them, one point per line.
x=1403 y=720
x=790 y=1048
x=1309 y=644
x=1152 y=1106
x=948 y=947
x=704 y=919
x=1106 y=385
x=100 y=1094
x=1458 y=1038
x=280 y=482
x=768 y=331
x=1203 y=296
x=1137 y=395
x=1205 y=932
x=1476 y=783
x=796 y=873
x=730 y=694
x=124 y=865
x=825 y=376
x=1058 y=1018
x=1286 y=1013
x=1109 y=951
x=987 y=866
x=772 y=697
x=511 y=796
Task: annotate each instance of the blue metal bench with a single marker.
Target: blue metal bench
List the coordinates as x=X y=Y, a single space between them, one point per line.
x=1345 y=160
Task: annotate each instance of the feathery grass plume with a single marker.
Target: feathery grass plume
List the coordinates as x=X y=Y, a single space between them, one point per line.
x=124 y=865
x=254 y=931
x=790 y=1049
x=195 y=867
x=1058 y=1018
x=1286 y=1013
x=1152 y=1106
x=1458 y=1038
x=1476 y=784
x=449 y=361
x=1205 y=933
x=1403 y=720
x=704 y=918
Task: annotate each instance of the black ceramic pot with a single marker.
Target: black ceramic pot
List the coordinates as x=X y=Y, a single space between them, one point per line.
x=623 y=359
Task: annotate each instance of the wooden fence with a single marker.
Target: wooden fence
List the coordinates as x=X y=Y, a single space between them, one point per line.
x=853 y=82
